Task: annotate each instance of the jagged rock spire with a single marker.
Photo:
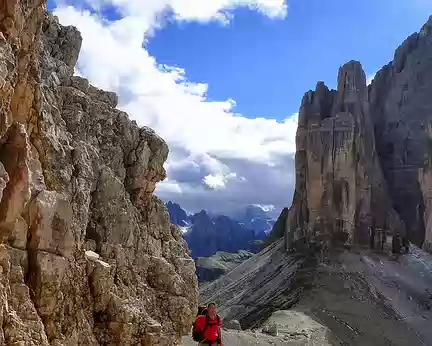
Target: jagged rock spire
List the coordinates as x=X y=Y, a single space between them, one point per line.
x=340 y=190
x=351 y=85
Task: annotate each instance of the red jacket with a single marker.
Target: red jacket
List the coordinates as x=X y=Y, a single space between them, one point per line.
x=211 y=333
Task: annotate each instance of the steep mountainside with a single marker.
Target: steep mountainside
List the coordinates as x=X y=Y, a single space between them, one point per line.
x=88 y=255
x=363 y=158
x=206 y=234
x=278 y=229
x=401 y=108
x=359 y=298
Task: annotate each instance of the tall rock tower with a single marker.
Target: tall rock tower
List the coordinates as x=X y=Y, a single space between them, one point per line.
x=340 y=191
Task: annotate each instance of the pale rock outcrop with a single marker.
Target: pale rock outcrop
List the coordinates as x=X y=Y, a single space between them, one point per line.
x=88 y=255
x=364 y=154
x=340 y=190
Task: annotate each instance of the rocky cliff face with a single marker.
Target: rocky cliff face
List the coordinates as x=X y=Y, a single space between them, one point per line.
x=340 y=189
x=401 y=110
x=278 y=229
x=88 y=255
x=364 y=155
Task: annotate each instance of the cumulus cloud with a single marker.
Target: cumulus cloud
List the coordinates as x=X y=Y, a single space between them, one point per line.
x=183 y=10
x=218 y=159
x=270 y=186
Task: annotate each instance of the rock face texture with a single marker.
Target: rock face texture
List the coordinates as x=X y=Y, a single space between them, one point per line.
x=364 y=154
x=88 y=255
x=401 y=109
x=340 y=189
x=425 y=180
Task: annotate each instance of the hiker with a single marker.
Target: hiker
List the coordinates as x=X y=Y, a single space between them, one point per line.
x=207 y=327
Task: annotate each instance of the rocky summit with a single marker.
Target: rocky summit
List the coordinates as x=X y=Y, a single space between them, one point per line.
x=88 y=255
x=340 y=191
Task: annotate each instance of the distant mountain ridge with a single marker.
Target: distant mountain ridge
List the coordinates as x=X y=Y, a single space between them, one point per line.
x=177 y=215
x=207 y=234
x=256 y=218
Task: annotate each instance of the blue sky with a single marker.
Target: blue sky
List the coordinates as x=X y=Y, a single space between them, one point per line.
x=267 y=65
x=221 y=80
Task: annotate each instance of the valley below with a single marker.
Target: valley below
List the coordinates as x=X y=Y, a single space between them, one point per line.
x=355 y=297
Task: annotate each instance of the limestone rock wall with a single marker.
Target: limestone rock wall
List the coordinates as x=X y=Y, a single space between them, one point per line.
x=401 y=109
x=88 y=255
x=340 y=190
x=364 y=153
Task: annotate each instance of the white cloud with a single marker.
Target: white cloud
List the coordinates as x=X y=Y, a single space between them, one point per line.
x=113 y=57
x=151 y=11
x=256 y=183
x=218 y=181
x=215 y=181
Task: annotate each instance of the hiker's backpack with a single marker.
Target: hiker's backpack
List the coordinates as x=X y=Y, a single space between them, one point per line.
x=199 y=336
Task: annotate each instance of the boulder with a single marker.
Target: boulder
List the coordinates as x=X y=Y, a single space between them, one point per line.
x=232 y=324
x=271 y=329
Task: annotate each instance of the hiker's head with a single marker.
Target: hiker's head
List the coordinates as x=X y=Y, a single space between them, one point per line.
x=211 y=310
